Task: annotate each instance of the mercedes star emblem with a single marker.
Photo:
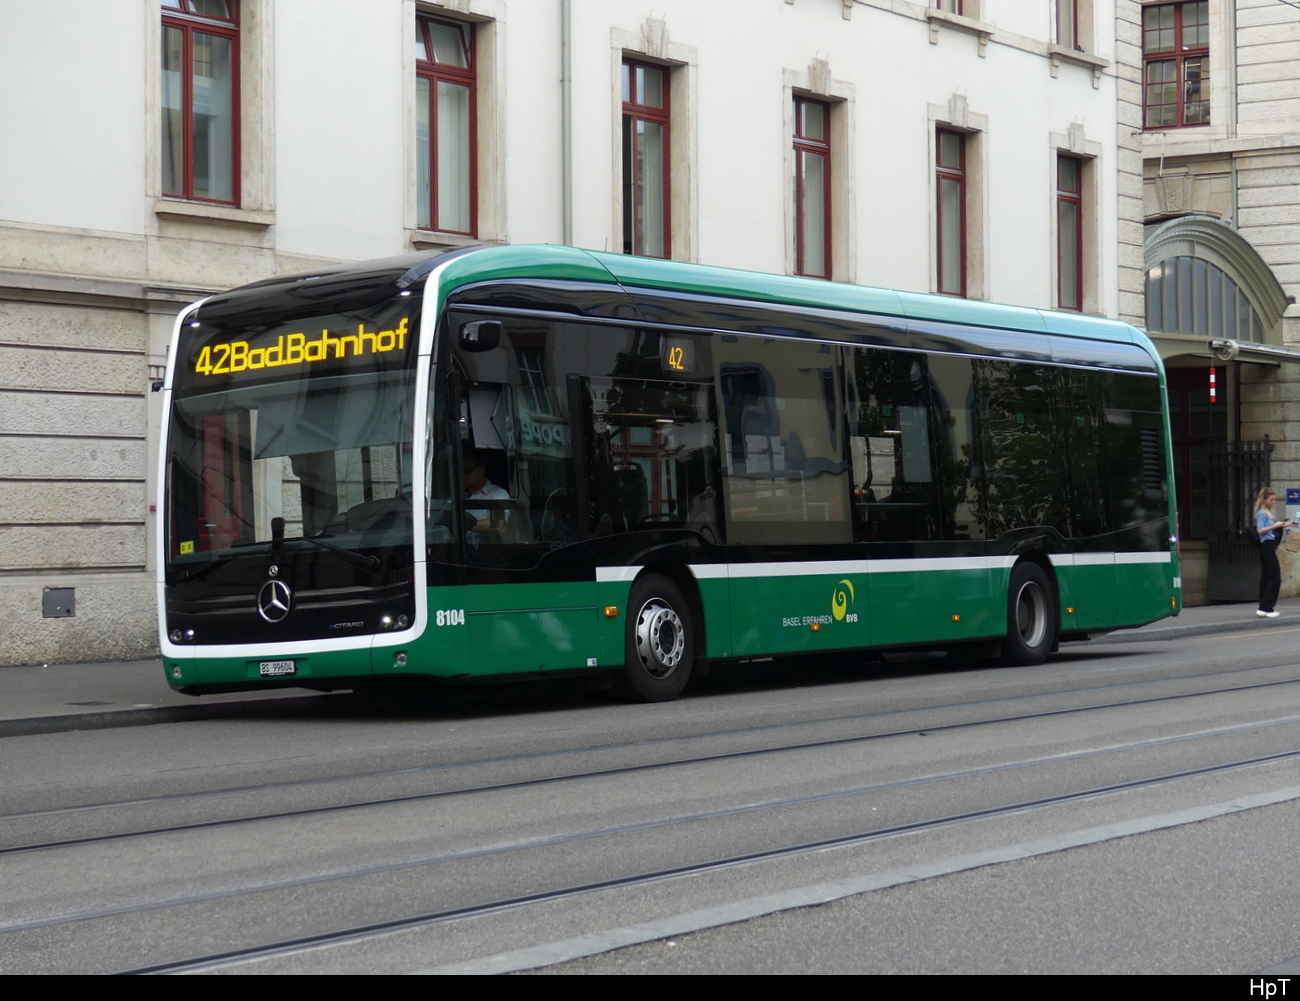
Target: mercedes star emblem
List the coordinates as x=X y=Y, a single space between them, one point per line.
x=274 y=600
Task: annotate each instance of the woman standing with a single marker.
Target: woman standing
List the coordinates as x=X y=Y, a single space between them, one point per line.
x=1270 y=574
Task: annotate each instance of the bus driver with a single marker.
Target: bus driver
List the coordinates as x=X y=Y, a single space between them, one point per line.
x=478 y=486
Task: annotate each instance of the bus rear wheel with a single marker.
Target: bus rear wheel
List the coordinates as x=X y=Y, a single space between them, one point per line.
x=660 y=648
x=1031 y=617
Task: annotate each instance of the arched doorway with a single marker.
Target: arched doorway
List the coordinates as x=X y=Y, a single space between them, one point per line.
x=1214 y=309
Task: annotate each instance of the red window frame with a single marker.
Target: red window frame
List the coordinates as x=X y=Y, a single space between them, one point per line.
x=947 y=174
x=1176 y=53
x=465 y=76
x=191 y=17
x=634 y=110
x=806 y=146
x=1069 y=199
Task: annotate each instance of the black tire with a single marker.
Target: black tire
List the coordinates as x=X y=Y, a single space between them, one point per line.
x=1031 y=617
x=660 y=641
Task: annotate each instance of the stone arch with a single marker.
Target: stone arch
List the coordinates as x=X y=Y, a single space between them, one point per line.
x=1191 y=260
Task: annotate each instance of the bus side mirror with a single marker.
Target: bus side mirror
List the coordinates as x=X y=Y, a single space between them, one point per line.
x=480 y=335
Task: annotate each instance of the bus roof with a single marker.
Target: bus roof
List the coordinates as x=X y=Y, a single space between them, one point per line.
x=547 y=262
x=568 y=263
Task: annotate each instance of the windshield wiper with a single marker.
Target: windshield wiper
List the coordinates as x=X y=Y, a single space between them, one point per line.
x=276 y=543
x=356 y=559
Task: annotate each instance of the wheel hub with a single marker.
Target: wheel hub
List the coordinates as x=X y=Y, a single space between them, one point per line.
x=660 y=639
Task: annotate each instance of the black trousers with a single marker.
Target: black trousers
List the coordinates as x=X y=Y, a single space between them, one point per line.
x=1270 y=575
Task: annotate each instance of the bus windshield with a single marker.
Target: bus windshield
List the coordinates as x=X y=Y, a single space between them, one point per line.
x=297 y=431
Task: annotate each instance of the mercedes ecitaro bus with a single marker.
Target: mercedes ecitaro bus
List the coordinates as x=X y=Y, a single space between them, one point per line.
x=542 y=461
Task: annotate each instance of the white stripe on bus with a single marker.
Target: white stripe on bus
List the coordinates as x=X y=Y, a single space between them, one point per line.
x=611 y=575
x=713 y=571
x=1144 y=557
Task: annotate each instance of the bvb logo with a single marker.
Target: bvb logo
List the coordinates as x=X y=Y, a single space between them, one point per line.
x=841 y=599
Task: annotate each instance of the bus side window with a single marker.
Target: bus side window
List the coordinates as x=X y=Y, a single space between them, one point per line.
x=1023 y=446
x=496 y=512
x=653 y=451
x=894 y=485
x=1134 y=468
x=513 y=414
x=958 y=457
x=1135 y=474
x=785 y=472
x=1085 y=459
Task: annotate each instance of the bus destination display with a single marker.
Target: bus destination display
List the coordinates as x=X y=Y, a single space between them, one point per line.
x=234 y=357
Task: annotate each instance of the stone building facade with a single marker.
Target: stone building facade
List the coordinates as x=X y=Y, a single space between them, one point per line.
x=1219 y=114
x=968 y=146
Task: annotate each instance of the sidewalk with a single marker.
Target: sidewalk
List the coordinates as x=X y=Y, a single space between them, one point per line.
x=59 y=697
x=1205 y=619
x=62 y=697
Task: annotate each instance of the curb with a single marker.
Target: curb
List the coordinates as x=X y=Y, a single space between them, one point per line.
x=35 y=725
x=1156 y=634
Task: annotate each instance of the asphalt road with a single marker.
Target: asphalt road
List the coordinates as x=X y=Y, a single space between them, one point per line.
x=1127 y=807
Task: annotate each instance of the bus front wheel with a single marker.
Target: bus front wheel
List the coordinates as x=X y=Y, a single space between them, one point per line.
x=1031 y=617
x=660 y=647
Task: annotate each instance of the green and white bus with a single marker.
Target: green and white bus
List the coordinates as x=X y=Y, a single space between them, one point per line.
x=540 y=461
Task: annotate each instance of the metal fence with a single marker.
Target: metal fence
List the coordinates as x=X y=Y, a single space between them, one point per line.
x=1238 y=469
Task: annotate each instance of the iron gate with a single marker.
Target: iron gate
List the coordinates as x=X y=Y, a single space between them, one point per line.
x=1238 y=469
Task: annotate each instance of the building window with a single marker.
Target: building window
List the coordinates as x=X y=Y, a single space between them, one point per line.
x=1188 y=295
x=1067 y=24
x=645 y=160
x=1069 y=233
x=812 y=188
x=1074 y=29
x=950 y=6
x=1176 y=64
x=200 y=100
x=950 y=184
x=445 y=126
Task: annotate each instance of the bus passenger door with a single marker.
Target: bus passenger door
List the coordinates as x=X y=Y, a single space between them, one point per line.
x=918 y=496
x=529 y=599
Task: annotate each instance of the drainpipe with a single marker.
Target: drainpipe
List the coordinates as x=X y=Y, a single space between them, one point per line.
x=566 y=117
